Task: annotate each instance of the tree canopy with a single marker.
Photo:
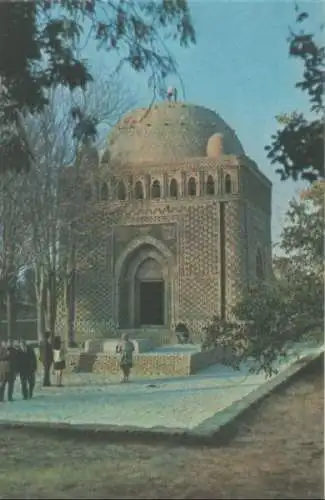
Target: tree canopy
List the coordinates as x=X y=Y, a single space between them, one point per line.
x=297 y=148
x=274 y=315
x=40 y=48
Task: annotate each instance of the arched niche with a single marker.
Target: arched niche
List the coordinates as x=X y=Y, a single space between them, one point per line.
x=138 y=191
x=228 y=184
x=210 y=186
x=173 y=188
x=155 y=189
x=191 y=187
x=121 y=191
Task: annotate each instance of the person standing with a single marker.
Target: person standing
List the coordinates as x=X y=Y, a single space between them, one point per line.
x=125 y=349
x=59 y=359
x=46 y=358
x=8 y=369
x=13 y=367
x=4 y=369
x=27 y=366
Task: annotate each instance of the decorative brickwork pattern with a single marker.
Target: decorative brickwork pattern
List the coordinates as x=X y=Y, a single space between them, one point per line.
x=259 y=238
x=234 y=254
x=182 y=232
x=150 y=364
x=199 y=265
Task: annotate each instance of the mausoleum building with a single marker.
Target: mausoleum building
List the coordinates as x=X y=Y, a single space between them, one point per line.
x=185 y=223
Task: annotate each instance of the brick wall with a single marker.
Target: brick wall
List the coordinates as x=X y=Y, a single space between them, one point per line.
x=201 y=360
x=171 y=365
x=174 y=365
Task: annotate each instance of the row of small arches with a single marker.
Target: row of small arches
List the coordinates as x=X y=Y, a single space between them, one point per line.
x=156 y=191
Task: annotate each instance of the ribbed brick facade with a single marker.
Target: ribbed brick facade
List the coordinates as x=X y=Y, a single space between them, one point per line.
x=206 y=243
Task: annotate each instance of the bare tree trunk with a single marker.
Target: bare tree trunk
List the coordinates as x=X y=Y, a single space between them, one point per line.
x=40 y=320
x=52 y=302
x=70 y=291
x=40 y=290
x=70 y=303
x=9 y=310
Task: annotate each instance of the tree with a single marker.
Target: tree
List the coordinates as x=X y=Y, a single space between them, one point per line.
x=40 y=46
x=298 y=146
x=275 y=315
x=55 y=142
x=14 y=241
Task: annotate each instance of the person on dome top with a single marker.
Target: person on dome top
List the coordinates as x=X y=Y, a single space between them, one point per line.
x=172 y=92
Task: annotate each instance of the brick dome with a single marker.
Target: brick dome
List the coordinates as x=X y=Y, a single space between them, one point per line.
x=169 y=132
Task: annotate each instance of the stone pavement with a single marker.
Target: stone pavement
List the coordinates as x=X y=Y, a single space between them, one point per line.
x=199 y=404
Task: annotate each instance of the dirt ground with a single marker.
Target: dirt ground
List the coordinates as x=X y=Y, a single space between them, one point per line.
x=277 y=453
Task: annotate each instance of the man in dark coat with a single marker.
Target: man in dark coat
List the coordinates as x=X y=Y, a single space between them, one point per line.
x=4 y=369
x=46 y=358
x=27 y=369
x=9 y=358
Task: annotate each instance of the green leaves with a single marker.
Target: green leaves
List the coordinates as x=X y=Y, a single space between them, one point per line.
x=298 y=147
x=303 y=233
x=44 y=39
x=275 y=315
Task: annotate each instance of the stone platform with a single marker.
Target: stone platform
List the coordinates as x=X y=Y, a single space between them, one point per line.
x=95 y=346
x=195 y=407
x=168 y=360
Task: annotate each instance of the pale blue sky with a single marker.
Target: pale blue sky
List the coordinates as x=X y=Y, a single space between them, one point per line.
x=240 y=68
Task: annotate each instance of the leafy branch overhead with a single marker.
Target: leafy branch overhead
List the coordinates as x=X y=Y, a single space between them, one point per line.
x=41 y=43
x=298 y=146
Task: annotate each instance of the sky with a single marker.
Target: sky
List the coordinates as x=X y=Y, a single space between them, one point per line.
x=240 y=68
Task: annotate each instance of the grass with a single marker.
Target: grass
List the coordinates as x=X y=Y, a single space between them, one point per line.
x=277 y=453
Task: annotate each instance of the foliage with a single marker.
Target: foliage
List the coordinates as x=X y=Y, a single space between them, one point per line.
x=303 y=234
x=298 y=146
x=41 y=42
x=14 y=240
x=54 y=144
x=274 y=315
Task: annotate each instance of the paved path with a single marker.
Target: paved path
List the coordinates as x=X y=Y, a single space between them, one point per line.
x=183 y=402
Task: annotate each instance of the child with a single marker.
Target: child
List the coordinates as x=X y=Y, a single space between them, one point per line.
x=125 y=349
x=59 y=360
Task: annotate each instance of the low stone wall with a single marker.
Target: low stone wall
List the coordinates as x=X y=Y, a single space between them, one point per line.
x=150 y=364
x=109 y=345
x=203 y=359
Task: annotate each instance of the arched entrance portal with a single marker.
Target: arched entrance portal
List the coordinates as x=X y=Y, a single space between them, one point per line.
x=150 y=294
x=144 y=288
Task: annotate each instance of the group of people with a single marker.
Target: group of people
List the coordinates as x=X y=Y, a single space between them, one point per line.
x=18 y=359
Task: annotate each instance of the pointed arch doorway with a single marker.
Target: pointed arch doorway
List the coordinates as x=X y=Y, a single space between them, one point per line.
x=144 y=289
x=150 y=287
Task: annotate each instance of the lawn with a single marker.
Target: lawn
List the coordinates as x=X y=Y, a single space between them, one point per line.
x=277 y=453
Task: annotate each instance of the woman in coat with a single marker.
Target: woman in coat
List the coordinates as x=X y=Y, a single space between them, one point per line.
x=4 y=369
x=125 y=349
x=59 y=359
